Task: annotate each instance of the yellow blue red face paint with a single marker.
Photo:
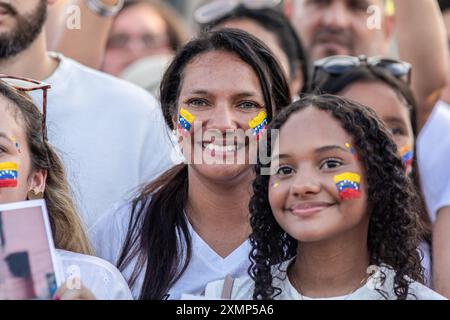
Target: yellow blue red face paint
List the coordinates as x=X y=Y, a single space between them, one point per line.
x=348 y=185
x=16 y=144
x=258 y=124
x=275 y=184
x=351 y=150
x=8 y=174
x=407 y=155
x=185 y=121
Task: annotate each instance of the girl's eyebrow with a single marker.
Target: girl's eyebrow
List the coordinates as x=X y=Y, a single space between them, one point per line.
x=319 y=150
x=329 y=148
x=281 y=156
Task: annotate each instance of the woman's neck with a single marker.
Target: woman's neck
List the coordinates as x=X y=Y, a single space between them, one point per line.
x=219 y=212
x=331 y=268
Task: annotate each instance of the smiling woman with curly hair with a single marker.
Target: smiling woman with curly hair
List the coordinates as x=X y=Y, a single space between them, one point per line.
x=336 y=218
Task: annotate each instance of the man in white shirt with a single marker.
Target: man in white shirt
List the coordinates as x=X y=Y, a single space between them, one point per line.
x=110 y=134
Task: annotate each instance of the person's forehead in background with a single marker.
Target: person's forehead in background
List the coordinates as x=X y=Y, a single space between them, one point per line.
x=139 y=19
x=333 y=27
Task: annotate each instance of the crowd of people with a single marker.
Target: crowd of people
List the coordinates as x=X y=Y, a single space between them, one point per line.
x=287 y=150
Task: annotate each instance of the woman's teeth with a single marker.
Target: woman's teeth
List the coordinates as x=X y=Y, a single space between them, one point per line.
x=219 y=148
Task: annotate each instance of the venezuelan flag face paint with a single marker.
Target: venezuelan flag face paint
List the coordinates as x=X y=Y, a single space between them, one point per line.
x=348 y=185
x=8 y=174
x=275 y=184
x=351 y=150
x=16 y=144
x=407 y=155
x=258 y=124
x=185 y=121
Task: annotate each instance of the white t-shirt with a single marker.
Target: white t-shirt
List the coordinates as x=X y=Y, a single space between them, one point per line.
x=206 y=265
x=243 y=288
x=110 y=134
x=433 y=152
x=99 y=276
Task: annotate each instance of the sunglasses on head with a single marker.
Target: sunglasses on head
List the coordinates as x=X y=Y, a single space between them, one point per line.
x=28 y=85
x=219 y=8
x=339 y=65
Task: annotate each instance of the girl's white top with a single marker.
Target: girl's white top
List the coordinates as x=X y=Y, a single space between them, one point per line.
x=373 y=289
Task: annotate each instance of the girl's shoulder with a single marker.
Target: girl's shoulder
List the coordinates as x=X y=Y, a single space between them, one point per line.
x=98 y=275
x=416 y=290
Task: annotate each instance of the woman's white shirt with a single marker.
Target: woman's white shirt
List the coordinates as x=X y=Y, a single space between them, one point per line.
x=98 y=275
x=109 y=234
x=243 y=288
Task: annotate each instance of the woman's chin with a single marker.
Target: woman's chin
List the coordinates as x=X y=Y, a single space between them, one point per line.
x=222 y=172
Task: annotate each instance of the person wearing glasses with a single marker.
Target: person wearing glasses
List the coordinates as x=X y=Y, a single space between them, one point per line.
x=336 y=219
x=110 y=134
x=41 y=175
x=261 y=19
x=191 y=225
x=381 y=84
x=143 y=28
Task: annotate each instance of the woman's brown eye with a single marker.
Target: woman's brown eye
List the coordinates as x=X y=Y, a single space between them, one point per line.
x=396 y=131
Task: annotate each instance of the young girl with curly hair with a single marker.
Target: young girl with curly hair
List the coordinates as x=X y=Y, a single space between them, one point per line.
x=337 y=216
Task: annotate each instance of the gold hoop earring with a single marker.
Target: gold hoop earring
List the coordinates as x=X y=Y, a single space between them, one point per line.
x=33 y=195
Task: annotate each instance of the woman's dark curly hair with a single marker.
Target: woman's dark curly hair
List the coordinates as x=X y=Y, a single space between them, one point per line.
x=394 y=228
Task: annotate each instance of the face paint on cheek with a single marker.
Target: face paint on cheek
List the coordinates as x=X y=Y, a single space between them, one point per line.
x=258 y=124
x=185 y=121
x=16 y=144
x=348 y=185
x=8 y=174
x=275 y=184
x=351 y=150
x=407 y=155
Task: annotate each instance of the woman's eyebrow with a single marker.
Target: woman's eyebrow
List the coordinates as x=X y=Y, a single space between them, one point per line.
x=4 y=135
x=245 y=94
x=397 y=120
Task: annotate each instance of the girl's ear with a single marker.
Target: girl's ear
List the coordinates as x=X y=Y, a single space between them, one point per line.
x=38 y=180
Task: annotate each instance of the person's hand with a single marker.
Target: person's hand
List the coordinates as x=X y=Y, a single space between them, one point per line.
x=81 y=293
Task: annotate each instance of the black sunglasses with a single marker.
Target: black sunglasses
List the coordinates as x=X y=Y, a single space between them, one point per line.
x=339 y=65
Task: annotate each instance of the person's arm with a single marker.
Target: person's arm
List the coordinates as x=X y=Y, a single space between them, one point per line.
x=422 y=41
x=82 y=293
x=441 y=252
x=86 y=45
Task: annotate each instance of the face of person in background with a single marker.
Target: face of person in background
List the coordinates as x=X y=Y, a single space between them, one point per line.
x=224 y=94
x=340 y=27
x=389 y=107
x=14 y=151
x=20 y=24
x=138 y=31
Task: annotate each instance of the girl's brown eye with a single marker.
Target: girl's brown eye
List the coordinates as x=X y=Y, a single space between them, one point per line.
x=331 y=164
x=284 y=171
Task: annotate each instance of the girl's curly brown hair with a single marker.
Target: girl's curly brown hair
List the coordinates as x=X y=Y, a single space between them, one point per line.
x=394 y=229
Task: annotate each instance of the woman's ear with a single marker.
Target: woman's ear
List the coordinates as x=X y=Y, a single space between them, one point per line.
x=296 y=84
x=38 y=181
